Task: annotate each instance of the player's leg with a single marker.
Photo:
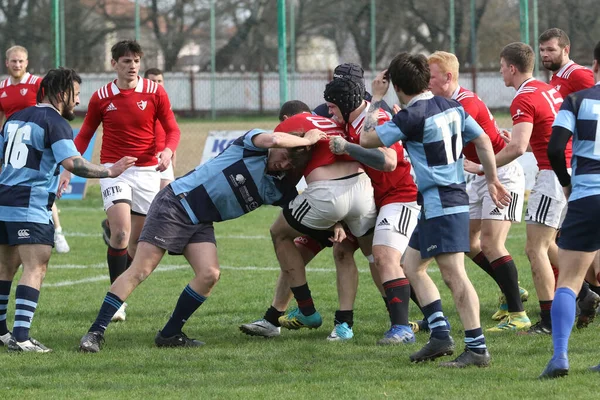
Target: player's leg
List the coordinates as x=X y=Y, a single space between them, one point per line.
x=9 y=264
x=35 y=259
x=60 y=242
x=269 y=325
x=167 y=176
x=395 y=224
x=137 y=223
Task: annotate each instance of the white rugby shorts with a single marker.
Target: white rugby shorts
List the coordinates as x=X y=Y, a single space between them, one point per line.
x=168 y=174
x=395 y=225
x=547 y=202
x=481 y=205
x=137 y=186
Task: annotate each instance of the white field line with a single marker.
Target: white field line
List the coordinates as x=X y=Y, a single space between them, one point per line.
x=167 y=268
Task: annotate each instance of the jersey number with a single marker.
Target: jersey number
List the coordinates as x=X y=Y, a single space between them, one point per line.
x=449 y=124
x=16 y=150
x=552 y=99
x=322 y=123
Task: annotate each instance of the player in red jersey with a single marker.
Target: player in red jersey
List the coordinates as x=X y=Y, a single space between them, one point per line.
x=17 y=92
x=569 y=77
x=128 y=109
x=395 y=196
x=489 y=225
x=533 y=110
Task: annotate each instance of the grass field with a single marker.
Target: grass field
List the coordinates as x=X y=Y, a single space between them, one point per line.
x=299 y=364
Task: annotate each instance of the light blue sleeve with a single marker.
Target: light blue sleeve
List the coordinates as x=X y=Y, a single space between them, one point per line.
x=472 y=130
x=248 y=140
x=389 y=133
x=63 y=149
x=565 y=119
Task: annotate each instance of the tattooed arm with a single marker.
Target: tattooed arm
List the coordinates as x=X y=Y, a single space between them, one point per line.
x=382 y=158
x=368 y=137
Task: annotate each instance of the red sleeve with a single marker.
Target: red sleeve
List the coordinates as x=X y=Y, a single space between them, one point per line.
x=521 y=110
x=580 y=79
x=167 y=120
x=90 y=124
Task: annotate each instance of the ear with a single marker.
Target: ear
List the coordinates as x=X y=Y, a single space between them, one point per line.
x=595 y=66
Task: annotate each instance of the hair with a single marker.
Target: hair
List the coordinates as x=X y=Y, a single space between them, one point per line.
x=57 y=82
x=300 y=156
x=447 y=63
x=556 y=33
x=152 y=71
x=292 y=107
x=597 y=53
x=125 y=47
x=410 y=73
x=345 y=93
x=520 y=55
x=16 y=48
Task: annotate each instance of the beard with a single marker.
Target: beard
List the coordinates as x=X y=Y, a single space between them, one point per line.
x=551 y=65
x=68 y=114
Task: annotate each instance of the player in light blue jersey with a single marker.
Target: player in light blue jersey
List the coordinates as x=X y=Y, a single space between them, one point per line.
x=434 y=130
x=35 y=141
x=257 y=168
x=579 y=118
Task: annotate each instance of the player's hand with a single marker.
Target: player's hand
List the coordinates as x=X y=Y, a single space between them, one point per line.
x=380 y=85
x=63 y=183
x=339 y=234
x=314 y=135
x=337 y=145
x=396 y=109
x=499 y=195
x=120 y=166
x=472 y=167
x=164 y=159
x=506 y=135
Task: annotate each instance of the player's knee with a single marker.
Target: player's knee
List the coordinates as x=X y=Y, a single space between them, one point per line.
x=210 y=276
x=121 y=236
x=342 y=252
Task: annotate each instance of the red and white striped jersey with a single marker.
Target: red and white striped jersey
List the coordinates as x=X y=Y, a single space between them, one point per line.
x=571 y=78
x=396 y=186
x=128 y=118
x=477 y=109
x=14 y=98
x=538 y=103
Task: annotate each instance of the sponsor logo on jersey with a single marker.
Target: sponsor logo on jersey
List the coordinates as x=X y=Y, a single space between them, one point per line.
x=111 y=191
x=23 y=92
x=239 y=178
x=3 y=95
x=558 y=87
x=23 y=233
x=111 y=107
x=142 y=104
x=518 y=114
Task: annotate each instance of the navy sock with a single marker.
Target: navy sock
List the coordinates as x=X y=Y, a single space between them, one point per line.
x=397 y=291
x=475 y=340
x=481 y=260
x=117 y=262
x=387 y=306
x=109 y=307
x=304 y=299
x=563 y=317
x=25 y=305
x=346 y=316
x=437 y=322
x=585 y=288
x=4 y=294
x=188 y=303
x=272 y=315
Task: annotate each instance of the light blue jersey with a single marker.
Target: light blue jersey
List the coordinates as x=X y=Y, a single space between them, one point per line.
x=434 y=131
x=233 y=183
x=35 y=141
x=580 y=114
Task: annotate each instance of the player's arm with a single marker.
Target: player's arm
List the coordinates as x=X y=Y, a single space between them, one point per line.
x=267 y=140
x=556 y=153
x=521 y=133
x=369 y=137
x=92 y=120
x=381 y=158
x=1 y=118
x=82 y=167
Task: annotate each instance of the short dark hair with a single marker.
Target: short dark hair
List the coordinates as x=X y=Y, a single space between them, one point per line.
x=597 y=53
x=410 y=73
x=292 y=107
x=559 y=34
x=300 y=156
x=520 y=55
x=57 y=82
x=152 y=71
x=125 y=47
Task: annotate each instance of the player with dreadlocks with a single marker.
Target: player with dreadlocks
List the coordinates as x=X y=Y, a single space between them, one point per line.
x=35 y=141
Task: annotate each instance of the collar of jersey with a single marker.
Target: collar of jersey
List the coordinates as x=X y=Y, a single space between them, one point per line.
x=47 y=105
x=23 y=80
x=139 y=88
x=426 y=95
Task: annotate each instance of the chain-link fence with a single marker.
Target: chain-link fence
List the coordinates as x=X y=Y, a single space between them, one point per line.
x=222 y=57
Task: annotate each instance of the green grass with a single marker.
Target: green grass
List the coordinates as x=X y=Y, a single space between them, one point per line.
x=299 y=364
